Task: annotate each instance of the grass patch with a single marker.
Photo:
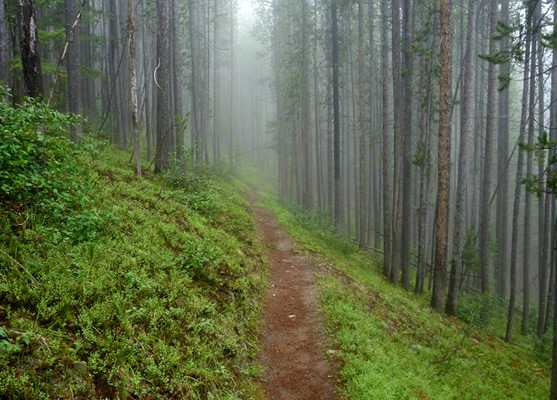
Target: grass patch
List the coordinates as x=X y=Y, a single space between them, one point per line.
x=161 y=302
x=392 y=344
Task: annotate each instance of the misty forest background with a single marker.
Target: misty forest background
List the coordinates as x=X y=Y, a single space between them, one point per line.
x=422 y=130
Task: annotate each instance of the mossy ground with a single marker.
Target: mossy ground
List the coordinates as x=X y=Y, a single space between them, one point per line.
x=393 y=346
x=162 y=303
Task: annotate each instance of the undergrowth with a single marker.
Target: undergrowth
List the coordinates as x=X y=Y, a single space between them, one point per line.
x=393 y=346
x=114 y=286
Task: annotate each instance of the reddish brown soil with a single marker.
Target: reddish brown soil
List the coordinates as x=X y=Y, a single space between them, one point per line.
x=292 y=343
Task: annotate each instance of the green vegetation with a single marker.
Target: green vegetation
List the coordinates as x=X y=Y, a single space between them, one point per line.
x=393 y=346
x=114 y=286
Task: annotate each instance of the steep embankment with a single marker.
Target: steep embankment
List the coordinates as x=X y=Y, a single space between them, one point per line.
x=147 y=289
x=392 y=344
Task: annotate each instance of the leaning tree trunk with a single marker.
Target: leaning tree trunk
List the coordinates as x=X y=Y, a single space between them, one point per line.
x=29 y=43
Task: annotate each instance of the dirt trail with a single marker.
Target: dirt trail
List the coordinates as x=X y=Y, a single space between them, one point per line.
x=293 y=343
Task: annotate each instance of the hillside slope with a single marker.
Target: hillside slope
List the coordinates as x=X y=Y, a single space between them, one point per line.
x=148 y=289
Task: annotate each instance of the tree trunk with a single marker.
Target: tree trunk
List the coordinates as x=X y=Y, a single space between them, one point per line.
x=462 y=183
x=361 y=223
x=502 y=170
x=178 y=104
x=406 y=235
x=146 y=81
x=4 y=47
x=163 y=87
x=444 y=161
x=485 y=210
x=339 y=213
x=29 y=43
x=216 y=114
x=398 y=145
x=195 y=99
x=318 y=139
x=518 y=188
x=553 y=126
x=232 y=82
x=528 y=204
x=550 y=214
x=387 y=150
x=281 y=139
x=307 y=195
x=133 y=87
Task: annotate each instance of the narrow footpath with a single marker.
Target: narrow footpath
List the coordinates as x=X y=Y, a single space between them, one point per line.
x=292 y=343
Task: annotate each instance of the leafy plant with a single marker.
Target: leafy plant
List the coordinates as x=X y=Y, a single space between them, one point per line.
x=39 y=169
x=12 y=342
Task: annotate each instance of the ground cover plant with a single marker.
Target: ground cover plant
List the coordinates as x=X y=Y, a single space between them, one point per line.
x=393 y=345
x=115 y=286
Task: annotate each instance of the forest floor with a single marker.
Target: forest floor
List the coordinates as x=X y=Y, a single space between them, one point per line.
x=293 y=344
